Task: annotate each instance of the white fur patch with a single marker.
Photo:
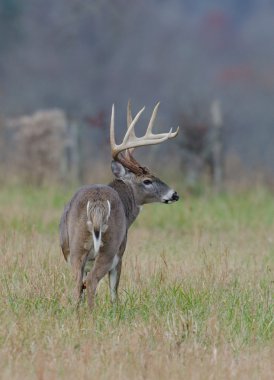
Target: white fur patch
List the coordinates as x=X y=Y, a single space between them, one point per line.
x=112 y=284
x=115 y=261
x=167 y=197
x=96 y=242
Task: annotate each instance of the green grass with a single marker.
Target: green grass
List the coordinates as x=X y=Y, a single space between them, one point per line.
x=196 y=294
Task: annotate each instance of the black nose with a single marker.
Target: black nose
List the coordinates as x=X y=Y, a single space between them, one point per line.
x=175 y=196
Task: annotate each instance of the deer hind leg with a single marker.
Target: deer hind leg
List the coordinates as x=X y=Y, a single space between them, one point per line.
x=114 y=278
x=101 y=267
x=78 y=260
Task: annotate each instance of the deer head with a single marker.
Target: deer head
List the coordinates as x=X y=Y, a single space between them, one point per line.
x=146 y=186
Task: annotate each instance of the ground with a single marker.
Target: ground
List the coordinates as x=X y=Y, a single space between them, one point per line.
x=196 y=293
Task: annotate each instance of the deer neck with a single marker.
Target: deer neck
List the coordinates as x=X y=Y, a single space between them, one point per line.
x=128 y=198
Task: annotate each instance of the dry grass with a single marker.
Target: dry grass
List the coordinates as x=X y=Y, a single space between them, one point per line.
x=196 y=294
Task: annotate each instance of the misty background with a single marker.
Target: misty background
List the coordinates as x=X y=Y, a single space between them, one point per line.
x=82 y=55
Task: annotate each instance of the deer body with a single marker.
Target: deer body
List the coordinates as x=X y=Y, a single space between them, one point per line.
x=94 y=224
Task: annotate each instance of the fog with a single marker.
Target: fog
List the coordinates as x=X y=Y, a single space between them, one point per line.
x=82 y=56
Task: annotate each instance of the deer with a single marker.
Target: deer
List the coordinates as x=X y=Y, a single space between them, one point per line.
x=94 y=225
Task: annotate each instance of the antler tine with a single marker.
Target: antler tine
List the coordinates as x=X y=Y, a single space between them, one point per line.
x=132 y=134
x=112 y=136
x=152 y=119
x=129 y=114
x=130 y=131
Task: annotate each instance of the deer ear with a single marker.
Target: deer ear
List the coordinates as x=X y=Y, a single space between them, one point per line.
x=118 y=170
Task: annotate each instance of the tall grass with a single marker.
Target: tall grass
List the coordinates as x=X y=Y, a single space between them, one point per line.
x=196 y=294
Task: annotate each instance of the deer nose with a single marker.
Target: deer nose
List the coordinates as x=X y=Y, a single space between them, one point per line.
x=175 y=196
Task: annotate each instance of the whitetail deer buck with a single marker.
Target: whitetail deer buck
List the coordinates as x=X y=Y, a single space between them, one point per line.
x=95 y=222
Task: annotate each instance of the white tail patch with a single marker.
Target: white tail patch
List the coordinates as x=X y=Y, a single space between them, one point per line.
x=96 y=242
x=100 y=225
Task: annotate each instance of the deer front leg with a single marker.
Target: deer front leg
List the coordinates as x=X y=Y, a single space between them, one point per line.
x=115 y=272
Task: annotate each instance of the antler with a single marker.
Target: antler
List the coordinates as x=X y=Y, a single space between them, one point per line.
x=131 y=141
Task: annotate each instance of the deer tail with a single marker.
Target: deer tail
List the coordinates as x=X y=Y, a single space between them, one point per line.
x=97 y=218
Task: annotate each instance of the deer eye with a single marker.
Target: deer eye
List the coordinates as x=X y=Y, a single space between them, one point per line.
x=147 y=182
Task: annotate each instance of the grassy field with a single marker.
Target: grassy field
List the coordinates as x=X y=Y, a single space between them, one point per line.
x=196 y=293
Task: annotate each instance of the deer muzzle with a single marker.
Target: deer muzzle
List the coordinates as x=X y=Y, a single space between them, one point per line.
x=170 y=197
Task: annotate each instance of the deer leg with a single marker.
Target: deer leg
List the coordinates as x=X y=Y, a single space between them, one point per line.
x=101 y=267
x=114 y=278
x=115 y=272
x=78 y=264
